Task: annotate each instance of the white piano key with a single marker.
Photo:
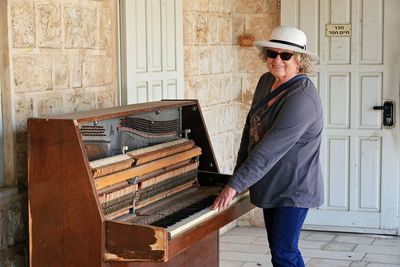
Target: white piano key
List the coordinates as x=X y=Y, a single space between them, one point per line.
x=197 y=218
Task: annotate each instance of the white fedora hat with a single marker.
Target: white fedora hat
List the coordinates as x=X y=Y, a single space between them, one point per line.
x=288 y=38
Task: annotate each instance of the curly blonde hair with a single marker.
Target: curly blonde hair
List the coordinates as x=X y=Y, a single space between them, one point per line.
x=305 y=63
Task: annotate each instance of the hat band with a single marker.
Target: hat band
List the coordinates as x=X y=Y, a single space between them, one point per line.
x=289 y=43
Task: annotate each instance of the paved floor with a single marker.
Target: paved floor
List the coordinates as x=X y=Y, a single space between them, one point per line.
x=246 y=247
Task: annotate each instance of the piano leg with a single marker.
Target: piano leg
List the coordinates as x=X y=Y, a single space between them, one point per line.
x=203 y=253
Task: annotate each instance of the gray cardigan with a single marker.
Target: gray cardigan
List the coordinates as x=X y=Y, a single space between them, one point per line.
x=282 y=168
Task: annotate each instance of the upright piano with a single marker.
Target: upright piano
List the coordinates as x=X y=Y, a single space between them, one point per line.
x=126 y=186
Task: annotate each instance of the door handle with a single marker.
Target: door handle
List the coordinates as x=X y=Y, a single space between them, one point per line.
x=388 y=113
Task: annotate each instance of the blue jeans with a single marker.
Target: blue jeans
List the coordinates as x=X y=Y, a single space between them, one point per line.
x=283 y=226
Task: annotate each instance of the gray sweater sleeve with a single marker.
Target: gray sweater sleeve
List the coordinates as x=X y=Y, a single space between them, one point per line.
x=296 y=116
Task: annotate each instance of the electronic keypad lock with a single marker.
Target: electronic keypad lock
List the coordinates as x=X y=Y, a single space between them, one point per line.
x=388 y=113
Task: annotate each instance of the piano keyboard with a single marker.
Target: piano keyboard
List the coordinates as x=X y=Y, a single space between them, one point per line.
x=192 y=215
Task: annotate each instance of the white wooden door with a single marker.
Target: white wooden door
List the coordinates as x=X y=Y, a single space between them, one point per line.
x=151 y=50
x=360 y=157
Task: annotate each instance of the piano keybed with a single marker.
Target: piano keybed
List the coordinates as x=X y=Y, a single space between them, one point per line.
x=162 y=196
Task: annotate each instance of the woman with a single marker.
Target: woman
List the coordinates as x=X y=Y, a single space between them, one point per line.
x=278 y=157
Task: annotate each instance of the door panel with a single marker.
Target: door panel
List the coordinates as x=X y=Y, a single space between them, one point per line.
x=151 y=50
x=359 y=157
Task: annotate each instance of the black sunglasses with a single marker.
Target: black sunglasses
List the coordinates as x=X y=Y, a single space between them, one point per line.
x=283 y=55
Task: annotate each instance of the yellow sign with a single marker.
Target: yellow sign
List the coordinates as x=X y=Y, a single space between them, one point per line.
x=338 y=30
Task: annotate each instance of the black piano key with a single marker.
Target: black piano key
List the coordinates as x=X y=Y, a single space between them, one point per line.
x=185 y=212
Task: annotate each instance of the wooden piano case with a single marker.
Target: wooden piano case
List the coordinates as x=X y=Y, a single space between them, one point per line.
x=67 y=224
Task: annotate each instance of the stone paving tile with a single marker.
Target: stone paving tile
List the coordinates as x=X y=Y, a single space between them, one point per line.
x=377 y=249
x=328 y=263
x=391 y=242
x=245 y=257
x=339 y=246
x=225 y=263
x=261 y=241
x=382 y=265
x=304 y=234
x=318 y=236
x=257 y=264
x=359 y=264
x=311 y=244
x=250 y=248
x=379 y=258
x=356 y=239
x=333 y=255
x=253 y=231
x=241 y=239
x=247 y=247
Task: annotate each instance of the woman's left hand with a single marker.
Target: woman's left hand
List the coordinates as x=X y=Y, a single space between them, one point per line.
x=224 y=199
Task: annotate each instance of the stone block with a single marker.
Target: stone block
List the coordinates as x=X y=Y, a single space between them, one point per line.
x=228 y=167
x=228 y=60
x=249 y=84
x=195 y=5
x=22 y=24
x=215 y=6
x=214 y=92
x=72 y=27
x=60 y=72
x=236 y=88
x=205 y=61
x=260 y=26
x=89 y=28
x=49 y=26
x=254 y=217
x=250 y=60
x=241 y=115
x=75 y=70
x=228 y=146
x=225 y=30
x=105 y=28
x=96 y=70
x=218 y=146
x=17 y=219
x=2 y=241
x=22 y=165
x=226 y=6
x=49 y=105
x=222 y=121
x=80 y=100
x=105 y=99
x=217 y=60
x=251 y=7
x=213 y=32
x=226 y=88
x=32 y=72
x=191 y=60
x=231 y=127
x=211 y=120
x=50 y=2
x=189 y=28
x=238 y=28
x=201 y=30
x=23 y=110
x=197 y=85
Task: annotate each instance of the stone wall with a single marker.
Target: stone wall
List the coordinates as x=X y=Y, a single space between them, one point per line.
x=218 y=71
x=221 y=73
x=58 y=56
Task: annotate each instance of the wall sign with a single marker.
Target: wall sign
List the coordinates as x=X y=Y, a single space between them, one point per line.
x=338 y=30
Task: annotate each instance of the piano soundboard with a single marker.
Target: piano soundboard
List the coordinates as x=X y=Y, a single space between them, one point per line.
x=138 y=179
